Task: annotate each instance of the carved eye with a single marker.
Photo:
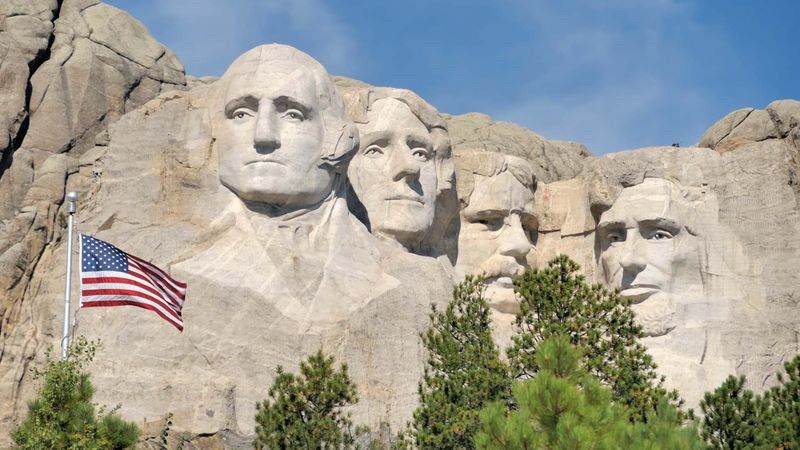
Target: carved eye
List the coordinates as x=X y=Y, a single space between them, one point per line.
x=294 y=114
x=490 y=223
x=373 y=151
x=615 y=236
x=420 y=154
x=241 y=113
x=660 y=235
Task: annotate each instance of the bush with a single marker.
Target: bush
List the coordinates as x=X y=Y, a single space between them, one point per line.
x=62 y=415
x=305 y=411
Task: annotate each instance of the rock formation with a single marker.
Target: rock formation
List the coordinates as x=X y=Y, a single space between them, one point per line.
x=305 y=214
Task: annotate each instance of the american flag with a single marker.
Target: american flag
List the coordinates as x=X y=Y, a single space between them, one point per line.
x=111 y=277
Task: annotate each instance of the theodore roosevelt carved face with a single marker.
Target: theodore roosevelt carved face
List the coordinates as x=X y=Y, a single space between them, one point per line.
x=280 y=124
x=498 y=226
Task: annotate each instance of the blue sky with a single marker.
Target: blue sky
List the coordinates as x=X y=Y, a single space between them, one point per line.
x=611 y=74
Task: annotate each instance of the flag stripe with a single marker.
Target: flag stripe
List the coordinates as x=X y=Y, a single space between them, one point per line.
x=178 y=284
x=123 y=283
x=156 y=279
x=139 y=304
x=89 y=293
x=134 y=271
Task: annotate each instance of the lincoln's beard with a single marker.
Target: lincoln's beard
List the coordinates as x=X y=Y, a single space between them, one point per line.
x=500 y=296
x=656 y=314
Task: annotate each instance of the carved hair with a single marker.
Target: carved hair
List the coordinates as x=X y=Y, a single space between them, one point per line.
x=473 y=162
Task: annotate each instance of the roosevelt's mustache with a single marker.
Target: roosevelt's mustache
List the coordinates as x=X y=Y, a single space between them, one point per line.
x=501 y=266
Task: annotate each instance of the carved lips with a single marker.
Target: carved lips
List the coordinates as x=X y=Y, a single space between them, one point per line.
x=407 y=198
x=638 y=293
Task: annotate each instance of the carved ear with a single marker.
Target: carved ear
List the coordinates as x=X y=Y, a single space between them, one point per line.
x=346 y=144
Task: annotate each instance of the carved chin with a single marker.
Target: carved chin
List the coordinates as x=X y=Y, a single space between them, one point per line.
x=656 y=315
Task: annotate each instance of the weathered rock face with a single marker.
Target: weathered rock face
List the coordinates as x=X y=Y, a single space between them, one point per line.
x=701 y=242
x=245 y=187
x=68 y=70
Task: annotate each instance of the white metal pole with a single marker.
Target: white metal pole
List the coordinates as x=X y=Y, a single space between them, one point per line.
x=72 y=199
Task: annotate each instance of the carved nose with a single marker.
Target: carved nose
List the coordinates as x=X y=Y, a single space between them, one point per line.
x=403 y=165
x=633 y=258
x=267 y=134
x=514 y=240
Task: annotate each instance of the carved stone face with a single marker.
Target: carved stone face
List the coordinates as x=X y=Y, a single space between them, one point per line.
x=393 y=173
x=647 y=252
x=497 y=229
x=271 y=137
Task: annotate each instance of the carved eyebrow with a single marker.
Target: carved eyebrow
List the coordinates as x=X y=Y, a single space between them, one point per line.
x=486 y=214
x=610 y=224
x=377 y=136
x=661 y=222
x=415 y=140
x=294 y=103
x=245 y=101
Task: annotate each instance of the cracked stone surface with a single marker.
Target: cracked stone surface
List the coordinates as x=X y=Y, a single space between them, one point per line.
x=67 y=70
x=91 y=102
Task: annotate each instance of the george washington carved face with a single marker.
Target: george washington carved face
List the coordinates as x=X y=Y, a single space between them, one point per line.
x=280 y=116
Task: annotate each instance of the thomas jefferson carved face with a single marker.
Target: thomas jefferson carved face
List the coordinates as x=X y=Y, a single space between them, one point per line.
x=647 y=251
x=393 y=174
x=498 y=230
x=272 y=134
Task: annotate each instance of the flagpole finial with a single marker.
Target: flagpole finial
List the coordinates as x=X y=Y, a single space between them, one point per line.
x=72 y=199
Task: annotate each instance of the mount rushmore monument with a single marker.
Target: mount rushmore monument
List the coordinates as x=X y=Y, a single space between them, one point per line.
x=308 y=211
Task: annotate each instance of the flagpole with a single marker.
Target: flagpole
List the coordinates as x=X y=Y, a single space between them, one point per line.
x=72 y=199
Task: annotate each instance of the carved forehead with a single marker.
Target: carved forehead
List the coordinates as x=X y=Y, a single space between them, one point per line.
x=273 y=57
x=474 y=163
x=502 y=193
x=654 y=198
x=389 y=113
x=280 y=68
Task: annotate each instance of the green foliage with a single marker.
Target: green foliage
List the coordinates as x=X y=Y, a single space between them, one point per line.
x=558 y=301
x=62 y=415
x=305 y=411
x=462 y=373
x=735 y=418
x=732 y=416
x=564 y=407
x=784 y=403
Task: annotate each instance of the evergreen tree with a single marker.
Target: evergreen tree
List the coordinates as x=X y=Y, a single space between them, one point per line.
x=564 y=407
x=462 y=373
x=784 y=401
x=733 y=415
x=62 y=416
x=735 y=418
x=558 y=301
x=305 y=411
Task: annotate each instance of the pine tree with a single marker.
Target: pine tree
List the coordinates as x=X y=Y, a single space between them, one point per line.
x=564 y=407
x=736 y=418
x=463 y=371
x=783 y=421
x=305 y=411
x=558 y=301
x=732 y=416
x=62 y=416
